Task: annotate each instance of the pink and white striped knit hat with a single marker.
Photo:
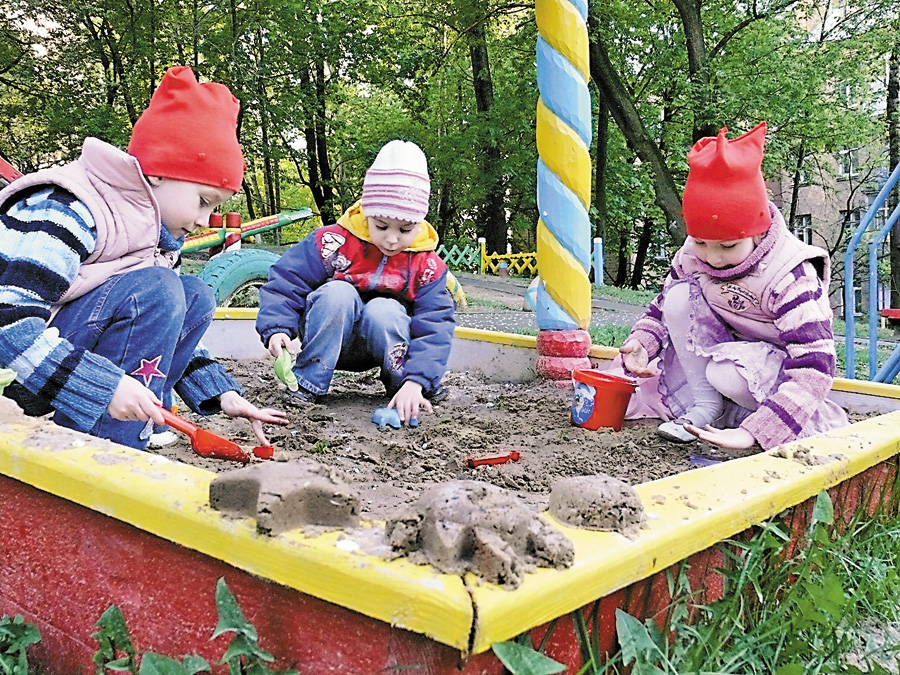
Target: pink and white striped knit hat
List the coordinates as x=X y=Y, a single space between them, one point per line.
x=397 y=184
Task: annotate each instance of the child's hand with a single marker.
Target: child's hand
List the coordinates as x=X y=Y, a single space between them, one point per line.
x=408 y=400
x=235 y=405
x=636 y=359
x=133 y=401
x=736 y=439
x=278 y=342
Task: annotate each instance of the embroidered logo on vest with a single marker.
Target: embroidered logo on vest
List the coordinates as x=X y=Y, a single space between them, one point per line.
x=738 y=298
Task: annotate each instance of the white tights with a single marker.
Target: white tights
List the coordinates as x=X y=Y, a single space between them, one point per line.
x=708 y=403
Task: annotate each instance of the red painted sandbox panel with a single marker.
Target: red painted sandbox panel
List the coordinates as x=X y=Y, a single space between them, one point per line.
x=63 y=565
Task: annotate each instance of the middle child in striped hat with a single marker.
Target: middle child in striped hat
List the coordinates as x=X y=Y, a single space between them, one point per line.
x=369 y=291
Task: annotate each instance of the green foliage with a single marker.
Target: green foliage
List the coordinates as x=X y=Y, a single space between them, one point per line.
x=794 y=602
x=609 y=336
x=113 y=639
x=524 y=660
x=781 y=614
x=243 y=656
x=319 y=448
x=15 y=637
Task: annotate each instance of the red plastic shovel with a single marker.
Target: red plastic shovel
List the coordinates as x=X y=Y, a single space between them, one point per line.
x=206 y=443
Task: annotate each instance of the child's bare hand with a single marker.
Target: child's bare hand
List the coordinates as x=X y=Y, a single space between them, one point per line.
x=235 y=405
x=636 y=359
x=133 y=401
x=736 y=439
x=278 y=342
x=408 y=400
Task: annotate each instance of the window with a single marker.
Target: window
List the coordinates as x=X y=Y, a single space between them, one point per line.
x=881 y=217
x=802 y=228
x=847 y=164
x=853 y=219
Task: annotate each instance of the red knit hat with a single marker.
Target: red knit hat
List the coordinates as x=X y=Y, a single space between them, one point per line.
x=189 y=132
x=725 y=194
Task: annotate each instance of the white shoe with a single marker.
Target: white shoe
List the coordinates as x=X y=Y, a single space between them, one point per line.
x=162 y=439
x=672 y=431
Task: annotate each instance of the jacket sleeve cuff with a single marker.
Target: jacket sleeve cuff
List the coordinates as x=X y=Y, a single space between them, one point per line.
x=768 y=430
x=267 y=334
x=88 y=391
x=648 y=340
x=202 y=388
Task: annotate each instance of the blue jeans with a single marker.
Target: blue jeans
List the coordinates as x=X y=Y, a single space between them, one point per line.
x=341 y=332
x=148 y=322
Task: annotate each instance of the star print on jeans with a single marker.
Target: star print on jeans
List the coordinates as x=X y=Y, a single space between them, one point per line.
x=149 y=370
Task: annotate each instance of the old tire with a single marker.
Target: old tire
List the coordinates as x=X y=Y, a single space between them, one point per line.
x=236 y=276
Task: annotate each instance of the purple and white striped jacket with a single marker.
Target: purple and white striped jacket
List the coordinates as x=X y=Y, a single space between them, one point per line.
x=779 y=295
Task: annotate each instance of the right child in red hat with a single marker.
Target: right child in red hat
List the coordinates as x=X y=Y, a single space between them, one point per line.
x=739 y=343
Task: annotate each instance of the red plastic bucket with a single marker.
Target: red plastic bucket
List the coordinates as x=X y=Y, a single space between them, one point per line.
x=600 y=399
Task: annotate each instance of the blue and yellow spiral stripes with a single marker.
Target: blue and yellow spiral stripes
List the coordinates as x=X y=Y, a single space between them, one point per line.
x=564 y=166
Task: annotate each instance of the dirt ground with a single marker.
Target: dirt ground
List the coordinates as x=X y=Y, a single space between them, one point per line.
x=391 y=467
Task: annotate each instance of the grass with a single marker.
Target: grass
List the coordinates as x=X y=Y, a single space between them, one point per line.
x=607 y=336
x=861 y=330
x=814 y=607
x=627 y=295
x=489 y=304
x=784 y=613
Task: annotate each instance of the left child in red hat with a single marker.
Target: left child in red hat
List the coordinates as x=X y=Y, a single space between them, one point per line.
x=95 y=319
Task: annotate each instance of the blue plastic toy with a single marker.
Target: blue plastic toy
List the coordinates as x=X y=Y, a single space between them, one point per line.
x=385 y=417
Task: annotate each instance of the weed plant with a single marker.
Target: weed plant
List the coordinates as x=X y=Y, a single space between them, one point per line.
x=117 y=654
x=16 y=636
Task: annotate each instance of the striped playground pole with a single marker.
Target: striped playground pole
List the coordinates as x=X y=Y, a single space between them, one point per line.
x=563 y=303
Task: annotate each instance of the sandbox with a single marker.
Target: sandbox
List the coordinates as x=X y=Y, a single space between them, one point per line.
x=85 y=524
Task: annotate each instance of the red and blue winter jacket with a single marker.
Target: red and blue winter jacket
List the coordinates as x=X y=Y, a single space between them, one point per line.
x=417 y=278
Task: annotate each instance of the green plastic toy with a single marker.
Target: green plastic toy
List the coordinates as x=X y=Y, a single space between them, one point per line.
x=283 y=366
x=6 y=377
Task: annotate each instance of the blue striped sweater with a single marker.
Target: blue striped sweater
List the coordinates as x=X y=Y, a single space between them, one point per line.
x=45 y=236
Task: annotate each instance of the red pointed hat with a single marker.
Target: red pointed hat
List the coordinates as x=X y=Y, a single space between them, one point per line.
x=189 y=132
x=725 y=194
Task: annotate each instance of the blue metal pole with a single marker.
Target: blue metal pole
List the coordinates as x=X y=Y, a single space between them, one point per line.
x=849 y=299
x=873 y=290
x=599 y=269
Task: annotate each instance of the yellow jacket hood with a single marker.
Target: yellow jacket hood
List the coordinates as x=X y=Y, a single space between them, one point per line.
x=355 y=222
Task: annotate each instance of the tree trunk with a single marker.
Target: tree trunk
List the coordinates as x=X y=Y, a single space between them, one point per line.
x=269 y=206
x=622 y=259
x=492 y=210
x=689 y=10
x=248 y=188
x=323 y=204
x=795 y=189
x=893 y=123
x=321 y=143
x=629 y=121
x=646 y=238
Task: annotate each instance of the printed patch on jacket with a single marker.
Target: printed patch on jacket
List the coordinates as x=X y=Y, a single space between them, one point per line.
x=397 y=356
x=331 y=242
x=738 y=298
x=429 y=272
